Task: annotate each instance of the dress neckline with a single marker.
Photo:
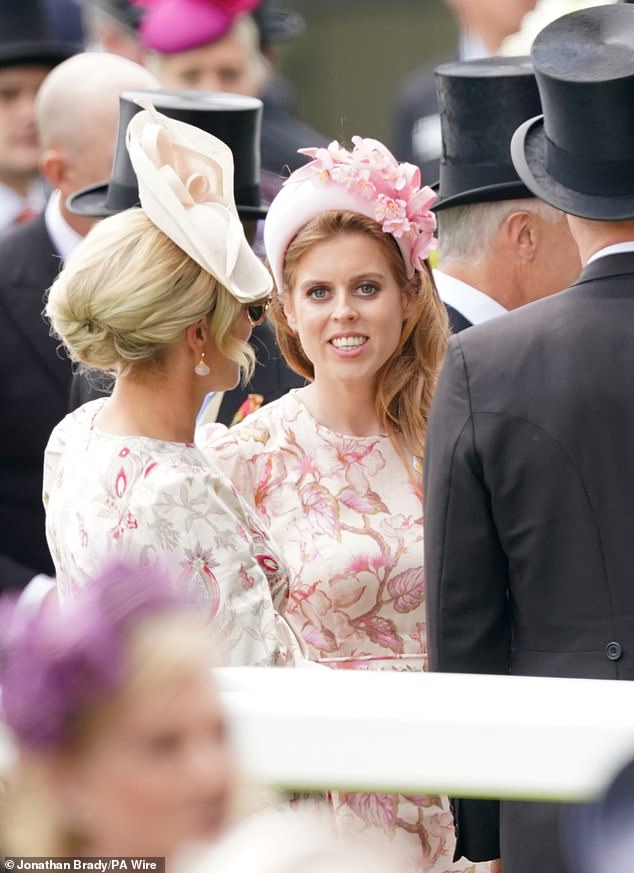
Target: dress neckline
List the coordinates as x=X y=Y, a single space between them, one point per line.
x=294 y=393
x=105 y=434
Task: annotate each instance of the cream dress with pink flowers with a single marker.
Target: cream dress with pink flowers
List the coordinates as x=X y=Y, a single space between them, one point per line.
x=350 y=526
x=162 y=504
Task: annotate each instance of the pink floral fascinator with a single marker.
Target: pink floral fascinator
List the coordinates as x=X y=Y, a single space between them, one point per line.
x=368 y=179
x=185 y=178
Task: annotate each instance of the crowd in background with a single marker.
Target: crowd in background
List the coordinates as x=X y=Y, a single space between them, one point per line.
x=257 y=440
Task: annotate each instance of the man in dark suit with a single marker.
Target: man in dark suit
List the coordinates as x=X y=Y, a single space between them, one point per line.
x=483 y=26
x=28 y=51
x=235 y=120
x=77 y=116
x=500 y=247
x=529 y=468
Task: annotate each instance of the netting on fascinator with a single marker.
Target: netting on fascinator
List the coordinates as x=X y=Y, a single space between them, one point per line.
x=54 y=666
x=172 y=26
x=366 y=179
x=185 y=178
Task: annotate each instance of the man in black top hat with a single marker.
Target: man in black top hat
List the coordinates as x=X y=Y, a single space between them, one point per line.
x=529 y=466
x=500 y=247
x=28 y=50
x=77 y=113
x=235 y=120
x=483 y=26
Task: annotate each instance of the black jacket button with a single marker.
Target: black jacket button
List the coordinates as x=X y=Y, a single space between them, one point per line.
x=613 y=651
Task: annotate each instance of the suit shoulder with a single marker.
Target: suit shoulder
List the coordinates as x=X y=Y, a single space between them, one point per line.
x=518 y=326
x=27 y=250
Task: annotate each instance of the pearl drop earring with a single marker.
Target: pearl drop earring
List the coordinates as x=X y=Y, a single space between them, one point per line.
x=202 y=367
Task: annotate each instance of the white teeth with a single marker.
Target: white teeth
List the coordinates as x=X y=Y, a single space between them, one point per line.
x=348 y=342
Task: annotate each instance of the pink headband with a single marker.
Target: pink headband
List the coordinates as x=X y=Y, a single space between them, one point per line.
x=368 y=180
x=172 y=26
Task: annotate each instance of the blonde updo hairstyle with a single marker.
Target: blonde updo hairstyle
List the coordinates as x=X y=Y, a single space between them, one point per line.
x=127 y=292
x=405 y=383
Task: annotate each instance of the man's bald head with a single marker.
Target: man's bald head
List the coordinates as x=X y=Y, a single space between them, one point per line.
x=77 y=113
x=82 y=94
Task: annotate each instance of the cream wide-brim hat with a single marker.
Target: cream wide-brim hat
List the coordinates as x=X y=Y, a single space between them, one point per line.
x=185 y=178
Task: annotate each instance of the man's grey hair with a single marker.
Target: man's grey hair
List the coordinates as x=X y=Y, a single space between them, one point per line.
x=466 y=234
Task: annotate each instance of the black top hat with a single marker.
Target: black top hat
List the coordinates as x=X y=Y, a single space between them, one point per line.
x=481 y=104
x=231 y=117
x=579 y=155
x=26 y=36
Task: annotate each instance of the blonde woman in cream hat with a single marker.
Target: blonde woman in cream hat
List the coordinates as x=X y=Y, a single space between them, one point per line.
x=165 y=297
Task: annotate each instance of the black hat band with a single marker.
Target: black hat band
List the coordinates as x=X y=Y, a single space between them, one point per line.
x=464 y=178
x=604 y=177
x=120 y=197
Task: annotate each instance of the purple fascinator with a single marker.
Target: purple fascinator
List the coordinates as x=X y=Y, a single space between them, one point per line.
x=53 y=666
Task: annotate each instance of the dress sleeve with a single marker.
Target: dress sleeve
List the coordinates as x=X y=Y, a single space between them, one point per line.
x=224 y=562
x=223 y=448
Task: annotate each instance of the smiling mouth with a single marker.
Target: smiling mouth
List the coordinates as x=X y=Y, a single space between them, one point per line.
x=345 y=343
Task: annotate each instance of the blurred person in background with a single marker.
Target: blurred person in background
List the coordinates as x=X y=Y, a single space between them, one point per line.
x=111 y=26
x=121 y=737
x=334 y=468
x=165 y=297
x=77 y=112
x=28 y=51
x=499 y=246
x=216 y=45
x=483 y=25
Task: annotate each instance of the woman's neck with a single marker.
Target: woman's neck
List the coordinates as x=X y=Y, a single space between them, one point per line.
x=344 y=407
x=155 y=408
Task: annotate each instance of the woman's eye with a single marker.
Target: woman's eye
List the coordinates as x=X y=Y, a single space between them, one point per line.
x=367 y=289
x=162 y=744
x=318 y=293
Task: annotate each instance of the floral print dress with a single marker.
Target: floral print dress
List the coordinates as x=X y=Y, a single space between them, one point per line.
x=162 y=504
x=350 y=525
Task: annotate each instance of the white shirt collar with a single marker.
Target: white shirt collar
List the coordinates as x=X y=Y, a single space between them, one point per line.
x=616 y=249
x=476 y=306
x=12 y=203
x=471 y=47
x=62 y=235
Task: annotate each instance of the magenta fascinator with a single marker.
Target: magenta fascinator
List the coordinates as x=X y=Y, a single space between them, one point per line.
x=171 y=26
x=367 y=179
x=53 y=666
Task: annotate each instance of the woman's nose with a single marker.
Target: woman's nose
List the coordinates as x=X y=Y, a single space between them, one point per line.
x=344 y=309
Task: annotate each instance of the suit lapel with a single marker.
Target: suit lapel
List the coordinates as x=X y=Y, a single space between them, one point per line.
x=22 y=295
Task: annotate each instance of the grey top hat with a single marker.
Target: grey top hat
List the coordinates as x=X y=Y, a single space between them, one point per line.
x=232 y=118
x=481 y=103
x=579 y=155
x=26 y=36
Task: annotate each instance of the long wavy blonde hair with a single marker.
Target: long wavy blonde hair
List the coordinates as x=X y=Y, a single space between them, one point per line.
x=405 y=383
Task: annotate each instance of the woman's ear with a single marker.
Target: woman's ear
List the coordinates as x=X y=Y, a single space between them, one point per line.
x=197 y=335
x=289 y=312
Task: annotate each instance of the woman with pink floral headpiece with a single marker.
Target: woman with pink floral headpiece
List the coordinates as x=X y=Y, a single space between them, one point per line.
x=333 y=469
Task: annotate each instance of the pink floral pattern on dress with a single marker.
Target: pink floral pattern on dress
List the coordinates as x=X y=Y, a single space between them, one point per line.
x=163 y=504
x=350 y=525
